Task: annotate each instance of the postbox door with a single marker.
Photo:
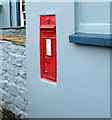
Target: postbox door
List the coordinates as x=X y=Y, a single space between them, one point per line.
x=49 y=59
x=48 y=54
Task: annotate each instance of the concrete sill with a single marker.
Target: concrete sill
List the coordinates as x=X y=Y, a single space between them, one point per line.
x=104 y=40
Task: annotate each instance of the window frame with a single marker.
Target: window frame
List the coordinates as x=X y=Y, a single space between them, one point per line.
x=96 y=28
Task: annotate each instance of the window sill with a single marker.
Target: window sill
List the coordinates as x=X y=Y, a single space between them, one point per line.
x=104 y=40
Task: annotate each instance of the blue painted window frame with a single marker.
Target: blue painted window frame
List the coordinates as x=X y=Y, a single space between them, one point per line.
x=91 y=39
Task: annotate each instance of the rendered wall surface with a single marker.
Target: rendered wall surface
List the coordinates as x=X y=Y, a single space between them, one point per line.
x=83 y=87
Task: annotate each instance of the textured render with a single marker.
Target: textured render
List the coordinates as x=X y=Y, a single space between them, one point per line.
x=83 y=87
x=13 y=78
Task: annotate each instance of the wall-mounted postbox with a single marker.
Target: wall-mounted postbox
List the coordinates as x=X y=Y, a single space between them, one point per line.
x=48 y=53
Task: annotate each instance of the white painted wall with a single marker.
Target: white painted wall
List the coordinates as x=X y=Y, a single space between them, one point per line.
x=83 y=87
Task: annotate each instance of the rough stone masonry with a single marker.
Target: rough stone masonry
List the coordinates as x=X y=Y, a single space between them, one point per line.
x=13 y=74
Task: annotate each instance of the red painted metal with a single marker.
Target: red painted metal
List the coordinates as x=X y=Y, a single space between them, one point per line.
x=48 y=52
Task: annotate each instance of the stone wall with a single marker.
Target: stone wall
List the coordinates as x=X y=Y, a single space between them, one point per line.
x=13 y=75
x=13 y=30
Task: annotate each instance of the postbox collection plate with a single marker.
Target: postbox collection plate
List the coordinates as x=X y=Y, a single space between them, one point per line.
x=48 y=53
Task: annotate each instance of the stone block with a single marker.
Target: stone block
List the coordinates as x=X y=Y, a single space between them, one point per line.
x=20 y=104
x=5 y=85
x=20 y=50
x=19 y=82
x=20 y=113
x=6 y=97
x=23 y=73
x=12 y=49
x=4 y=65
x=13 y=90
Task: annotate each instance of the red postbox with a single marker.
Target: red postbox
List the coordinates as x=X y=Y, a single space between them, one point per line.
x=48 y=54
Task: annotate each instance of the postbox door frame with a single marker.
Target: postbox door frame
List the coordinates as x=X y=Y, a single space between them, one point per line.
x=48 y=63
